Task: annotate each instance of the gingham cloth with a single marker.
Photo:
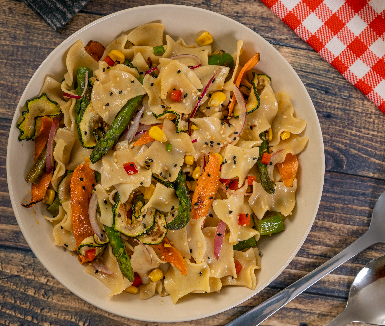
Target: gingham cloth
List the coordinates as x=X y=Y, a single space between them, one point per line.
x=349 y=34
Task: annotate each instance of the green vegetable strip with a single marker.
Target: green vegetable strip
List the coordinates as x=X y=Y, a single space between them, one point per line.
x=184 y=210
x=54 y=207
x=164 y=182
x=38 y=168
x=267 y=184
x=221 y=58
x=270 y=225
x=245 y=244
x=118 y=126
x=159 y=50
x=138 y=203
x=120 y=253
x=82 y=103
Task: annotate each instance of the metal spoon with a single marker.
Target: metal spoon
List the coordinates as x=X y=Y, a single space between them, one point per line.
x=375 y=234
x=367 y=296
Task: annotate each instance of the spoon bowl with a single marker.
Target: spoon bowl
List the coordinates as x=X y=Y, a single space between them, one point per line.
x=366 y=301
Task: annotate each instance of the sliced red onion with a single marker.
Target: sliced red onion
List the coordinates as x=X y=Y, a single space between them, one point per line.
x=71 y=95
x=100 y=267
x=148 y=251
x=203 y=94
x=49 y=157
x=93 y=219
x=151 y=70
x=84 y=90
x=218 y=239
x=133 y=128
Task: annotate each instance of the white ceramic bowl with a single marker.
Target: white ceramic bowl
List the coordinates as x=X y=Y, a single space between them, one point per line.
x=277 y=251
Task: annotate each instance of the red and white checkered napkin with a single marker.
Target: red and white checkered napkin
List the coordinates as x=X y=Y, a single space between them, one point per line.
x=349 y=34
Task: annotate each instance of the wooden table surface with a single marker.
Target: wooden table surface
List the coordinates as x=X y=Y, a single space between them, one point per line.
x=354 y=138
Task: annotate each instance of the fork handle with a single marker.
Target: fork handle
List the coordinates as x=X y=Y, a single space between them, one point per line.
x=258 y=314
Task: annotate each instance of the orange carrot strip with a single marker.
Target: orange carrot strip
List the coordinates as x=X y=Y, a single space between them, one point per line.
x=42 y=138
x=206 y=188
x=145 y=138
x=39 y=190
x=249 y=65
x=288 y=169
x=82 y=183
x=171 y=255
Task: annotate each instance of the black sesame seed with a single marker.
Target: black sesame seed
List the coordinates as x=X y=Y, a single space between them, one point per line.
x=132 y=81
x=152 y=84
x=230 y=212
x=111 y=93
x=200 y=273
x=211 y=197
x=65 y=245
x=107 y=104
x=185 y=95
x=104 y=69
x=178 y=71
x=105 y=201
x=84 y=187
x=190 y=251
x=61 y=227
x=219 y=234
x=120 y=92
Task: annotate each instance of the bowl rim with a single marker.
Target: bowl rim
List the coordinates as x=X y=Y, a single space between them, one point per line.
x=65 y=43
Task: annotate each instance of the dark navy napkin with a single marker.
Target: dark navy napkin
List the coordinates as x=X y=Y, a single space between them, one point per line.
x=56 y=13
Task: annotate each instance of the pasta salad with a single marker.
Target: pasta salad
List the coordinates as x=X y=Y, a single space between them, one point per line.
x=160 y=164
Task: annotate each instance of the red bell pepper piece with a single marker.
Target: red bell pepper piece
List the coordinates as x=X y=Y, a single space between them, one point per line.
x=232 y=184
x=176 y=95
x=137 y=280
x=130 y=168
x=244 y=219
x=109 y=61
x=266 y=158
x=250 y=180
x=90 y=254
x=238 y=267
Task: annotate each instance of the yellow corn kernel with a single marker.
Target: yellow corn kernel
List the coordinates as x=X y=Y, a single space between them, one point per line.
x=196 y=173
x=204 y=39
x=189 y=159
x=148 y=191
x=194 y=127
x=217 y=98
x=49 y=197
x=270 y=135
x=220 y=157
x=285 y=135
x=117 y=56
x=87 y=160
x=167 y=245
x=158 y=134
x=132 y=289
x=156 y=275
